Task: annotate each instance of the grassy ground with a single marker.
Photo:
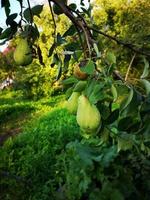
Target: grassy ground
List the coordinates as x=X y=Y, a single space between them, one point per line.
x=15 y=112
x=31 y=162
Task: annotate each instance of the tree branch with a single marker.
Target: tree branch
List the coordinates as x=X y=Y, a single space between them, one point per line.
x=80 y=23
x=128 y=70
x=127 y=45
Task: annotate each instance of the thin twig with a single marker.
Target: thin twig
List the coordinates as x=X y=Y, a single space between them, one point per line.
x=129 y=68
x=79 y=23
x=127 y=45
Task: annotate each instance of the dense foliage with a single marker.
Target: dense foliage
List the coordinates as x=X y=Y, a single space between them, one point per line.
x=100 y=147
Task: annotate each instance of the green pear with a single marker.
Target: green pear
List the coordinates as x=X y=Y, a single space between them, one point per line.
x=23 y=53
x=88 y=116
x=72 y=103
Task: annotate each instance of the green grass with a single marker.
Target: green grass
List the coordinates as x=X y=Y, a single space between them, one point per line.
x=15 y=112
x=35 y=156
x=31 y=162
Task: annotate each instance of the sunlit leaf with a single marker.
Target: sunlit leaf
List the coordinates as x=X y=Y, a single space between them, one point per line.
x=146 y=69
x=110 y=58
x=96 y=50
x=114 y=92
x=70 y=80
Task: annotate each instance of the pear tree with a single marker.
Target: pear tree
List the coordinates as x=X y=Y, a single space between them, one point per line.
x=112 y=113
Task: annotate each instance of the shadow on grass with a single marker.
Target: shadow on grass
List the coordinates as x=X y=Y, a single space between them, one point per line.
x=12 y=117
x=38 y=155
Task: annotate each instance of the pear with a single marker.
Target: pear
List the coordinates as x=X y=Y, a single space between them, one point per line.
x=72 y=103
x=23 y=53
x=79 y=74
x=88 y=116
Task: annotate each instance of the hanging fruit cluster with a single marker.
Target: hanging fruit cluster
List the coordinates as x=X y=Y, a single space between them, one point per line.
x=87 y=114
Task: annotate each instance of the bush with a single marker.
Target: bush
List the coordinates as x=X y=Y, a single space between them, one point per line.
x=36 y=81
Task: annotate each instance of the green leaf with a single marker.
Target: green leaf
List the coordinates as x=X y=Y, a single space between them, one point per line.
x=146 y=69
x=70 y=80
x=89 y=67
x=77 y=55
x=113 y=117
x=36 y=10
x=27 y=15
x=66 y=61
x=6 y=33
x=80 y=86
x=116 y=195
x=97 y=50
x=59 y=73
x=55 y=60
x=127 y=100
x=72 y=46
x=71 y=31
x=125 y=142
x=32 y=31
x=10 y=18
x=124 y=123
x=85 y=153
x=68 y=92
x=1 y=30
x=73 y=6
x=60 y=39
x=146 y=84
x=109 y=154
x=110 y=58
x=6 y=5
x=52 y=49
x=104 y=110
x=114 y=92
x=96 y=94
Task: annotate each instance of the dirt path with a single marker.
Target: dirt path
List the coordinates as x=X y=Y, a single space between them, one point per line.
x=7 y=134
